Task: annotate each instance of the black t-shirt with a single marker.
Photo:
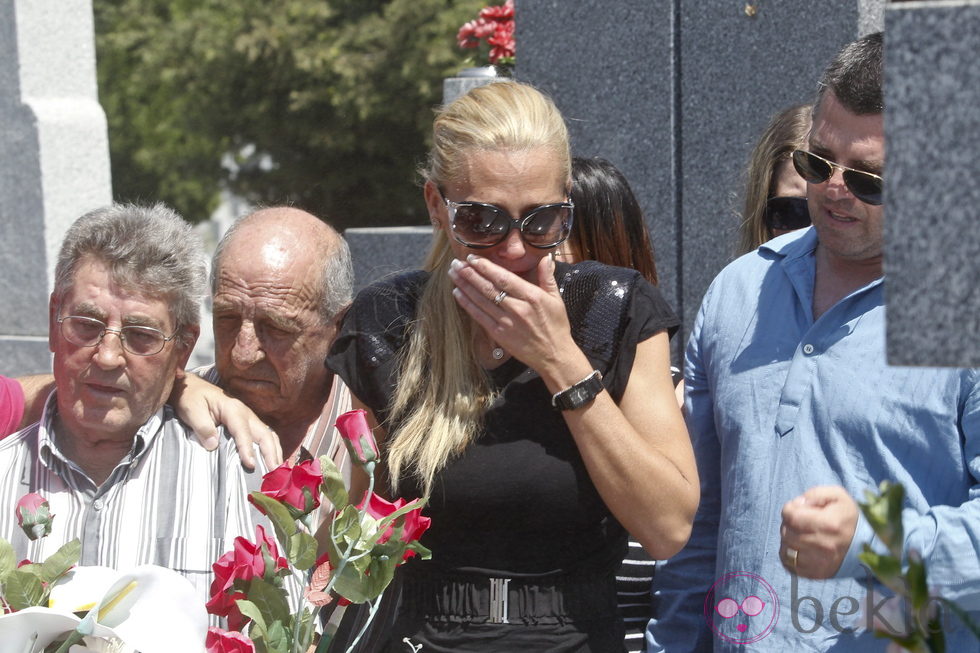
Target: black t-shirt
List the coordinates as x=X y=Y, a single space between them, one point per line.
x=518 y=501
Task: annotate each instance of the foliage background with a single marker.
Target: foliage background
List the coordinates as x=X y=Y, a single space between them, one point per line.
x=322 y=104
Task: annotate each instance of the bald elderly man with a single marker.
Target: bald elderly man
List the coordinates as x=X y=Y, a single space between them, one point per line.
x=281 y=280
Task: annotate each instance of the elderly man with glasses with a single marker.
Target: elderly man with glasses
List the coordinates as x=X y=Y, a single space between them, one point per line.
x=795 y=413
x=120 y=471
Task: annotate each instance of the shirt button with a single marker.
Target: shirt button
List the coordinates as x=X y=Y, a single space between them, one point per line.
x=97 y=504
x=807 y=348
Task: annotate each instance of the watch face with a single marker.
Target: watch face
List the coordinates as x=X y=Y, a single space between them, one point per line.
x=579 y=394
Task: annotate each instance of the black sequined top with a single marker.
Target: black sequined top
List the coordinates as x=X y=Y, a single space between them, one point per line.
x=518 y=501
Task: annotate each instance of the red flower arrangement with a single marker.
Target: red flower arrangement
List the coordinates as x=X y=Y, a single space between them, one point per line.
x=495 y=26
x=364 y=544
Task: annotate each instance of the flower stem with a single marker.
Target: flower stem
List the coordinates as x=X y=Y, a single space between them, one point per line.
x=350 y=547
x=374 y=610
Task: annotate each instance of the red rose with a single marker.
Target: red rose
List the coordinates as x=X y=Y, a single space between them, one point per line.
x=414 y=524
x=243 y=563
x=34 y=515
x=297 y=487
x=222 y=641
x=358 y=437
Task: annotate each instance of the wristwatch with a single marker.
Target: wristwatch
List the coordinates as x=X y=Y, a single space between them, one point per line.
x=579 y=394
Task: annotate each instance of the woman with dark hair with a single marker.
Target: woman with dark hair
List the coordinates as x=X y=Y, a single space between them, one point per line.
x=609 y=228
x=530 y=401
x=609 y=225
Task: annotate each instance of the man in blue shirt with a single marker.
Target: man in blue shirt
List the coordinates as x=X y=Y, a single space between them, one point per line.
x=794 y=413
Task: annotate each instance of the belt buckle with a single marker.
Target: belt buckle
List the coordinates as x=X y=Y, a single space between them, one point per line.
x=498 y=600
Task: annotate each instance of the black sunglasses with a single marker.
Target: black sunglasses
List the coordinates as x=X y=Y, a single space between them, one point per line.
x=786 y=213
x=480 y=226
x=815 y=169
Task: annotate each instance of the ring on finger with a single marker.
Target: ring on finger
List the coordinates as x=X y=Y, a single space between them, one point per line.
x=499 y=298
x=791 y=557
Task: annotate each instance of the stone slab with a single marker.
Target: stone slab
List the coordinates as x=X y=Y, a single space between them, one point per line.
x=675 y=94
x=54 y=158
x=378 y=252
x=932 y=132
x=608 y=67
x=737 y=71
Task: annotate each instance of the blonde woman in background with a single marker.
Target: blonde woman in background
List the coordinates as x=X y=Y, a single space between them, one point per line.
x=775 y=195
x=530 y=401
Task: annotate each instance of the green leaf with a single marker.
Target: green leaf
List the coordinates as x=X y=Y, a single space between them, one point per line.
x=884 y=513
x=349 y=584
x=886 y=568
x=252 y=611
x=8 y=560
x=333 y=487
x=301 y=550
x=23 y=589
x=61 y=561
x=918 y=585
x=278 y=637
x=420 y=550
x=34 y=569
x=278 y=515
x=270 y=600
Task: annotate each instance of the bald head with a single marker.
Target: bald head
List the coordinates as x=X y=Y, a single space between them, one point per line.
x=280 y=278
x=286 y=235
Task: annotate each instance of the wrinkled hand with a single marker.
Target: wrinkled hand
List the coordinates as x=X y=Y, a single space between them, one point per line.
x=204 y=406
x=530 y=322
x=817 y=530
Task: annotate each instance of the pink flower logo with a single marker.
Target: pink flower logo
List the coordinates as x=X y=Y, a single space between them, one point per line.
x=741 y=608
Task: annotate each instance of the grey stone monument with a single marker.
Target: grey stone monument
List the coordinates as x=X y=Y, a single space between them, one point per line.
x=932 y=193
x=675 y=94
x=54 y=158
x=378 y=252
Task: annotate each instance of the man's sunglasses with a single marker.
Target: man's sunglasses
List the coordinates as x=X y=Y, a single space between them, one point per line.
x=816 y=170
x=480 y=226
x=786 y=213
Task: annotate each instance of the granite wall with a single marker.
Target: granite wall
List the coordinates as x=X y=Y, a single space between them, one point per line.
x=54 y=160
x=932 y=193
x=675 y=94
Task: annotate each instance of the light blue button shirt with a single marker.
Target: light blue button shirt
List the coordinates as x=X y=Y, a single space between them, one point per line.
x=778 y=403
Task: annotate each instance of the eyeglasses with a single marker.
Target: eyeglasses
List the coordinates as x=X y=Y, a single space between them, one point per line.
x=815 y=169
x=786 y=213
x=88 y=332
x=480 y=226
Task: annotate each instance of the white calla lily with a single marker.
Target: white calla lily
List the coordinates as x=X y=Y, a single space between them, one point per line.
x=81 y=588
x=151 y=609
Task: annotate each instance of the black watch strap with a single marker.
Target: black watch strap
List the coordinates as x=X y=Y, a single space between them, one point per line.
x=579 y=394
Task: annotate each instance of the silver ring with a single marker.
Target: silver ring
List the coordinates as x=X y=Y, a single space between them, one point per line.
x=499 y=298
x=792 y=554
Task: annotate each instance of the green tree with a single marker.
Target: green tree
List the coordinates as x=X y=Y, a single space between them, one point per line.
x=326 y=105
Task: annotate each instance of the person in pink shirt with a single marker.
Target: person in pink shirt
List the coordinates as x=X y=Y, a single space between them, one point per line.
x=11 y=405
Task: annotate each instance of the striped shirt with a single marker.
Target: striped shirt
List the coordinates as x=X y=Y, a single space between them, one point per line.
x=633 y=580
x=322 y=438
x=168 y=502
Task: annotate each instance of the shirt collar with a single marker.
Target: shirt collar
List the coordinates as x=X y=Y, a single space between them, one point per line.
x=795 y=244
x=48 y=449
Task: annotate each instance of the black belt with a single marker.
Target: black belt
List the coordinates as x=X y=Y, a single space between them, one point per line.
x=474 y=598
